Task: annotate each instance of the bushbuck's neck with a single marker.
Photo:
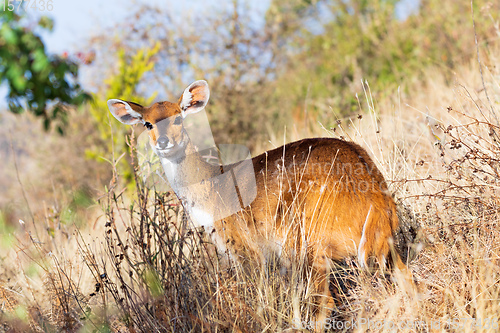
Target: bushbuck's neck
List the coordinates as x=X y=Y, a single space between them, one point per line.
x=187 y=168
x=191 y=179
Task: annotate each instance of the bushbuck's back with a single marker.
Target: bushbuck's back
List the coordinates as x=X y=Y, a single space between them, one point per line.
x=326 y=189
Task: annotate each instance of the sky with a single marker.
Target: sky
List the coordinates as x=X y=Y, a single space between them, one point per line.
x=76 y=20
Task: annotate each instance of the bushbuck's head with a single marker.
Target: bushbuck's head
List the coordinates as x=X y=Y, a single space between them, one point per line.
x=164 y=120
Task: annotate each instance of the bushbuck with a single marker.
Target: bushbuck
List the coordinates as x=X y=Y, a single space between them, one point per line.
x=323 y=195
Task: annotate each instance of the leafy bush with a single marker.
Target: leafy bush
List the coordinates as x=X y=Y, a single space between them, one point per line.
x=44 y=84
x=121 y=85
x=364 y=41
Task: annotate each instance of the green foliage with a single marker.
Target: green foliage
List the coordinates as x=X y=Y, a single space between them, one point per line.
x=121 y=85
x=71 y=214
x=153 y=282
x=364 y=41
x=7 y=239
x=42 y=83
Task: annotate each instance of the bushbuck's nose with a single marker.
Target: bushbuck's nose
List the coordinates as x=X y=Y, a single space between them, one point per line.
x=162 y=142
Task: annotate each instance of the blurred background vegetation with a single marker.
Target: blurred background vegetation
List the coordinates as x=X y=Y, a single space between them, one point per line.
x=302 y=63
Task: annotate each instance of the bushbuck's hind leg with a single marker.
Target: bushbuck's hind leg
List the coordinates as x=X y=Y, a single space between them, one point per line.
x=324 y=302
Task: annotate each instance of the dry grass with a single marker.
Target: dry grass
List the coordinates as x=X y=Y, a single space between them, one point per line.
x=140 y=269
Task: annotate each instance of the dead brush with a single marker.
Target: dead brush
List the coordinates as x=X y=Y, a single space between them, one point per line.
x=458 y=271
x=162 y=277
x=466 y=195
x=43 y=289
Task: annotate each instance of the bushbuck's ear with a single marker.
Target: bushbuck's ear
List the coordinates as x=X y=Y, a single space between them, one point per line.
x=126 y=112
x=194 y=98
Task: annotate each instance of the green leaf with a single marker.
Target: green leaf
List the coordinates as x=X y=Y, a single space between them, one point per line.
x=7 y=34
x=46 y=23
x=40 y=60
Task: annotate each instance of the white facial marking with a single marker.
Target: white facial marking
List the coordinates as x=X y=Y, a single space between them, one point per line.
x=169 y=145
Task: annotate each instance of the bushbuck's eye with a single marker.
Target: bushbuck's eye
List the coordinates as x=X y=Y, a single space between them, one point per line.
x=148 y=125
x=178 y=121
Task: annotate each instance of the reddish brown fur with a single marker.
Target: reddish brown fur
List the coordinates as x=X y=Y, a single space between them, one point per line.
x=290 y=205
